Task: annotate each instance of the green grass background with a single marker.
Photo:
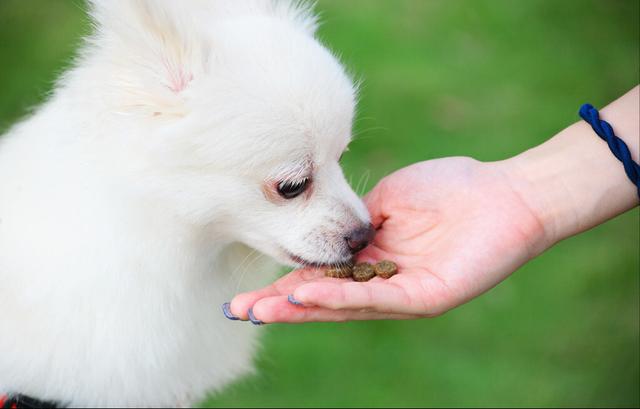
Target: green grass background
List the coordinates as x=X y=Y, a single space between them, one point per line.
x=485 y=79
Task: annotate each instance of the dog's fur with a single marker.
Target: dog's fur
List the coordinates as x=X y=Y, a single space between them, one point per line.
x=129 y=199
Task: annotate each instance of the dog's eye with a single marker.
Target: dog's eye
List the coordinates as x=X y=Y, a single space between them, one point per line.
x=291 y=189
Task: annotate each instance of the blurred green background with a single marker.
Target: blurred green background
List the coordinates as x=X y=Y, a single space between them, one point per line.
x=485 y=79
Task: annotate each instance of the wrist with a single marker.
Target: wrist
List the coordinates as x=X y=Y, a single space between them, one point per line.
x=540 y=190
x=573 y=182
x=537 y=176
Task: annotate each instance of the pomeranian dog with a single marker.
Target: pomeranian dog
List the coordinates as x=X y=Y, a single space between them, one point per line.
x=187 y=135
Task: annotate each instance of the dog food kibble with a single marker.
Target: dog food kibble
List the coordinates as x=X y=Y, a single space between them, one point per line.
x=363 y=272
x=386 y=268
x=342 y=271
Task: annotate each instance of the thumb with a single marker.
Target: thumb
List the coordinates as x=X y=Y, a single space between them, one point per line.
x=374 y=200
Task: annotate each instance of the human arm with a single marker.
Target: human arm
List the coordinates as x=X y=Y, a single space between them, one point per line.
x=457 y=227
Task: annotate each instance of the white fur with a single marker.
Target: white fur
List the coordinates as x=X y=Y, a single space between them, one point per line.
x=131 y=201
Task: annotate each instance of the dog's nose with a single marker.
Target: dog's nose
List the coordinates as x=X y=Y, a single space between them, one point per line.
x=360 y=238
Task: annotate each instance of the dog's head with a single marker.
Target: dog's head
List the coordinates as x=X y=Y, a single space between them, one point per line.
x=248 y=115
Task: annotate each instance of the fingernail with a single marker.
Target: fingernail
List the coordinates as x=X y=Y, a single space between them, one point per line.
x=293 y=300
x=226 y=310
x=253 y=318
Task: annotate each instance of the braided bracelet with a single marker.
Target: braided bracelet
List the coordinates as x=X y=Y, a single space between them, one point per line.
x=617 y=145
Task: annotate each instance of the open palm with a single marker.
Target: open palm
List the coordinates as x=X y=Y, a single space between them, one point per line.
x=454 y=226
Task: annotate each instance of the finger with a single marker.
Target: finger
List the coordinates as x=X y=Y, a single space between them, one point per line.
x=279 y=310
x=241 y=303
x=381 y=296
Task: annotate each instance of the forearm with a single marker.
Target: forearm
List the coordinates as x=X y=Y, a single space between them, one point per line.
x=573 y=182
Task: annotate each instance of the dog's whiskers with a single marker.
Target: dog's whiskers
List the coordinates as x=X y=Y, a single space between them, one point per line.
x=235 y=271
x=246 y=270
x=362 y=182
x=359 y=135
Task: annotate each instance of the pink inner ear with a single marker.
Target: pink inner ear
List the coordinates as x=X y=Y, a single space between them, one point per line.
x=178 y=80
x=177 y=76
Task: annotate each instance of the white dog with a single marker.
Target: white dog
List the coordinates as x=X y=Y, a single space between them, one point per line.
x=187 y=134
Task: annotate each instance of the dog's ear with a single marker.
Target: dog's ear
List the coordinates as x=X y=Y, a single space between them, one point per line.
x=154 y=48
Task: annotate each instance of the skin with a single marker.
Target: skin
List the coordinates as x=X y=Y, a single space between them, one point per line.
x=457 y=227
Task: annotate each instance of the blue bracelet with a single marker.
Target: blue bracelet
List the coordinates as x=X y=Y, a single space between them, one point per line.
x=617 y=145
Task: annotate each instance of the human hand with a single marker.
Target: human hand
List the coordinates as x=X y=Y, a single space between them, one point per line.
x=455 y=227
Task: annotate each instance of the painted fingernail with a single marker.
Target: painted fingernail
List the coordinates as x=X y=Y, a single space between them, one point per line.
x=253 y=318
x=226 y=310
x=293 y=300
